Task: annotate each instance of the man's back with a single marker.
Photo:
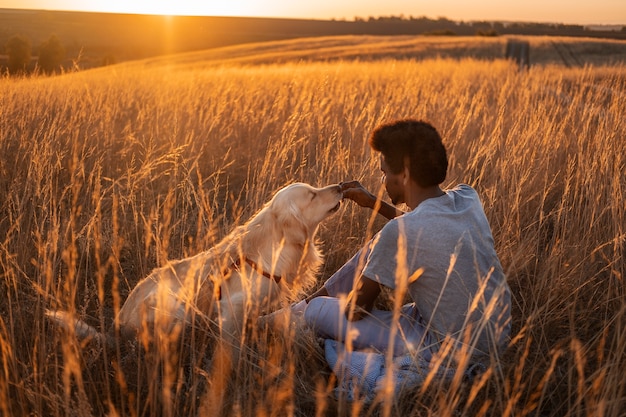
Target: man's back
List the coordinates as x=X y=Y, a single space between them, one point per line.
x=450 y=239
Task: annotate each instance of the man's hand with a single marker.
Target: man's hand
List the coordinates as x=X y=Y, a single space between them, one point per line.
x=354 y=190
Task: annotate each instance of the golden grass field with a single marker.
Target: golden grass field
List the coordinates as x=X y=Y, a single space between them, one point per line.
x=106 y=174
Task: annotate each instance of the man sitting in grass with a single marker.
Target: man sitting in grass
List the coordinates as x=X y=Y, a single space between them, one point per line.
x=441 y=253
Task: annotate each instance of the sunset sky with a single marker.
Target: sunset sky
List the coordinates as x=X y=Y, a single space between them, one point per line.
x=555 y=11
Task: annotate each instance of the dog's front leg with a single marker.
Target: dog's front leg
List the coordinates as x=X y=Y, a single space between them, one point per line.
x=231 y=311
x=232 y=319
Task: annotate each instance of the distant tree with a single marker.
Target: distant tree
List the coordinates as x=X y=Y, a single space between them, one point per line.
x=51 y=55
x=18 y=48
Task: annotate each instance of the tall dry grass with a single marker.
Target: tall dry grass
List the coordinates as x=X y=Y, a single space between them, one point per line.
x=107 y=174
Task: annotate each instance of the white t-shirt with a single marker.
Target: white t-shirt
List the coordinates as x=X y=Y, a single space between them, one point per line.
x=461 y=281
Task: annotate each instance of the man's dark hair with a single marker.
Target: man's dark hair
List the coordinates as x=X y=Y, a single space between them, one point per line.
x=415 y=143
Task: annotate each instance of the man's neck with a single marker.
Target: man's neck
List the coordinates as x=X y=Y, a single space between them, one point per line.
x=417 y=194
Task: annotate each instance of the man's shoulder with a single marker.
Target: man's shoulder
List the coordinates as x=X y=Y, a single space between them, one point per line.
x=463 y=189
x=456 y=203
x=463 y=195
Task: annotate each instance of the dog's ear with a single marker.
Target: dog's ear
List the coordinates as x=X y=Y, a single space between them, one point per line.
x=290 y=224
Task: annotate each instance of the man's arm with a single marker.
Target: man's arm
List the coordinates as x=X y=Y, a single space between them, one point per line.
x=354 y=190
x=366 y=293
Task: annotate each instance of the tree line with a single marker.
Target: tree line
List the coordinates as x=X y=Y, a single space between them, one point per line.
x=50 y=55
x=424 y=25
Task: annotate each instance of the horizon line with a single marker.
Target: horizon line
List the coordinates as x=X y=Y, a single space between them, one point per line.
x=336 y=19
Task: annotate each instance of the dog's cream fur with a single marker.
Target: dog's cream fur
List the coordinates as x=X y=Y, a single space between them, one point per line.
x=229 y=282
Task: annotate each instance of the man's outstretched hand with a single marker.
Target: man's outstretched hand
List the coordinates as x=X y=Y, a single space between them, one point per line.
x=354 y=190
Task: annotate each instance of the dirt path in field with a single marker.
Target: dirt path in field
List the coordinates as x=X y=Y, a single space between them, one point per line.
x=567 y=55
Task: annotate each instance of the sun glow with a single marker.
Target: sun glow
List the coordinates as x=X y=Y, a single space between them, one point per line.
x=557 y=11
x=177 y=7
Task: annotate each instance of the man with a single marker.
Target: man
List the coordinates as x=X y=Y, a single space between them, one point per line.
x=441 y=253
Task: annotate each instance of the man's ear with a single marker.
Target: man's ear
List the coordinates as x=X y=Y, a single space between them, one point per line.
x=405 y=180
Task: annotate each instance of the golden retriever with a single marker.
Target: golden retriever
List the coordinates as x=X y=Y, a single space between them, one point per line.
x=272 y=257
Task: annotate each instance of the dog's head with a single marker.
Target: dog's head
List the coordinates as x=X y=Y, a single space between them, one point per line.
x=304 y=204
x=281 y=236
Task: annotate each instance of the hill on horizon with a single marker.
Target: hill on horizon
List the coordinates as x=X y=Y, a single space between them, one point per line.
x=97 y=38
x=565 y=51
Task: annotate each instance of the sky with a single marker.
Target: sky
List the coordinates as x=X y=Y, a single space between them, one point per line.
x=545 y=11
